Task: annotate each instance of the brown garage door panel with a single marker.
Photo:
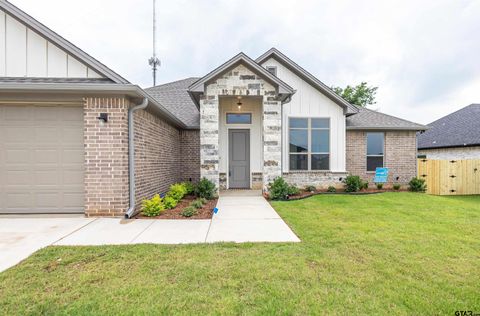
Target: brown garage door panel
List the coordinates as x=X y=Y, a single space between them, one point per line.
x=41 y=159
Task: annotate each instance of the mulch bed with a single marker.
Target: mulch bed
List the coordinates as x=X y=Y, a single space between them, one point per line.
x=206 y=212
x=305 y=194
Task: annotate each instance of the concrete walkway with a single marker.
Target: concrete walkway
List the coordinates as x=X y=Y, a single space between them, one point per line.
x=244 y=216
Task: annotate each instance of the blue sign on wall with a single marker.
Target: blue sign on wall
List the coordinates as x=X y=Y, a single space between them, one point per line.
x=381 y=175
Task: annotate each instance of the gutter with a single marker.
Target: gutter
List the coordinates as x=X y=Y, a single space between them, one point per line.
x=131 y=157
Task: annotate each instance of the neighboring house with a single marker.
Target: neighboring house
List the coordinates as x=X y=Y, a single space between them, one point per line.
x=77 y=137
x=455 y=136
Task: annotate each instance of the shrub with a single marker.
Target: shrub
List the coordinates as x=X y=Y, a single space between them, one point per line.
x=396 y=186
x=352 y=183
x=205 y=189
x=310 y=188
x=364 y=185
x=177 y=191
x=169 y=202
x=153 y=207
x=204 y=200
x=279 y=189
x=331 y=189
x=197 y=203
x=379 y=186
x=189 y=211
x=189 y=187
x=417 y=185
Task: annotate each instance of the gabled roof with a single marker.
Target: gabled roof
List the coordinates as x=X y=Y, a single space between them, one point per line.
x=175 y=98
x=61 y=42
x=308 y=77
x=458 y=129
x=367 y=119
x=241 y=58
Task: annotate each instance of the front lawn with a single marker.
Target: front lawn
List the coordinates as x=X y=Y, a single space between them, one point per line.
x=392 y=253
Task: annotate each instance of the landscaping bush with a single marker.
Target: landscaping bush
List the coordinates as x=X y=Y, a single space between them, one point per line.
x=396 y=186
x=203 y=200
x=153 y=207
x=417 y=185
x=352 y=183
x=169 y=202
x=189 y=211
x=205 y=189
x=310 y=188
x=189 y=187
x=279 y=189
x=365 y=185
x=379 y=186
x=331 y=189
x=177 y=191
x=197 y=203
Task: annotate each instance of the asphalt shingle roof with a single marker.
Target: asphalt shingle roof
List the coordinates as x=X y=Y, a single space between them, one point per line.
x=458 y=129
x=174 y=96
x=369 y=119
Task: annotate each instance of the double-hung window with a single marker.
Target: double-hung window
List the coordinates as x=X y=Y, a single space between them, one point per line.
x=375 y=150
x=309 y=143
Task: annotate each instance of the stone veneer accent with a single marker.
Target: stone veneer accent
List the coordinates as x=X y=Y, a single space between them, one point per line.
x=257 y=181
x=457 y=153
x=190 y=155
x=239 y=81
x=400 y=155
x=321 y=180
x=106 y=156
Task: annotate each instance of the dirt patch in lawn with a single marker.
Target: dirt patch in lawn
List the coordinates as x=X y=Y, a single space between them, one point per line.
x=206 y=212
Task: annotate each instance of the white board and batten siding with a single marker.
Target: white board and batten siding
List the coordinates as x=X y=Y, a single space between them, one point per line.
x=24 y=53
x=309 y=102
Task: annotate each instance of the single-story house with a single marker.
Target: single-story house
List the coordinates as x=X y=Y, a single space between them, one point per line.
x=77 y=137
x=455 y=136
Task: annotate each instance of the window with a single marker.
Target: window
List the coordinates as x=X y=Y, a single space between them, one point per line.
x=272 y=70
x=375 y=150
x=239 y=118
x=309 y=143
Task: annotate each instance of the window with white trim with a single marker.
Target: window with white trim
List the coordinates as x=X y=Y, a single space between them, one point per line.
x=375 y=150
x=309 y=143
x=272 y=70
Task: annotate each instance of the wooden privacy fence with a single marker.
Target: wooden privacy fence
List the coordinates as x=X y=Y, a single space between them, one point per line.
x=450 y=177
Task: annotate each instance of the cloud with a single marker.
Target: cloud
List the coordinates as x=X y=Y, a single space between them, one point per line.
x=423 y=55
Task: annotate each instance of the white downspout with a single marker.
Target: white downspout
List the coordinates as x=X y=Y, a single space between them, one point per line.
x=131 y=157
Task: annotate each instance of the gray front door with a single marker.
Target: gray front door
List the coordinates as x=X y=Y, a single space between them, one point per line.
x=239 y=158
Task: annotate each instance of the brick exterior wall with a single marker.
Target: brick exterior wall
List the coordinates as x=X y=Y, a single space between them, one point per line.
x=457 y=153
x=190 y=155
x=157 y=155
x=106 y=157
x=400 y=155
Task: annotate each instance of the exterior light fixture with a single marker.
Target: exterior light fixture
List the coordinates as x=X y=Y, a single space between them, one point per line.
x=239 y=103
x=103 y=118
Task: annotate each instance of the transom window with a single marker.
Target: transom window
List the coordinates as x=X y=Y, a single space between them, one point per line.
x=375 y=150
x=239 y=118
x=309 y=147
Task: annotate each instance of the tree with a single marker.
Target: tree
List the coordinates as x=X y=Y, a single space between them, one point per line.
x=361 y=95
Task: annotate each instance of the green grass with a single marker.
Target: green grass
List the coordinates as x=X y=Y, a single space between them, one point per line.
x=393 y=253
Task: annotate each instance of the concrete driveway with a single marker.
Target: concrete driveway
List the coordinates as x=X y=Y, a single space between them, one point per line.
x=244 y=216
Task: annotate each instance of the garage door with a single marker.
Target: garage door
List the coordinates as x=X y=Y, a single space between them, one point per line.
x=41 y=159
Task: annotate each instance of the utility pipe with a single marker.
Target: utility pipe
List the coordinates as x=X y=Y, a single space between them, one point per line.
x=131 y=157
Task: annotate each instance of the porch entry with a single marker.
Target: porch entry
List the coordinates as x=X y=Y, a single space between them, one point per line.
x=239 y=158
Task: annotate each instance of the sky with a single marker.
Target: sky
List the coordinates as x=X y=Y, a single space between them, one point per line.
x=423 y=55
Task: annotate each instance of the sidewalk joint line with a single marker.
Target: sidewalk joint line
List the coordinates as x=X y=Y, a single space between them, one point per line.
x=132 y=241
x=76 y=230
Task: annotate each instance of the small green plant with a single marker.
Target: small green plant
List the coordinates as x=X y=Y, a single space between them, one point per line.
x=177 y=191
x=417 y=185
x=352 y=183
x=169 y=202
x=396 y=186
x=205 y=189
x=189 y=187
x=331 y=189
x=153 y=207
x=379 y=186
x=203 y=200
x=310 y=188
x=279 y=189
x=197 y=204
x=365 y=185
x=189 y=211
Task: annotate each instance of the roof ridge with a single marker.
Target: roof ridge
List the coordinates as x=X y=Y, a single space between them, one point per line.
x=171 y=82
x=395 y=117
x=455 y=112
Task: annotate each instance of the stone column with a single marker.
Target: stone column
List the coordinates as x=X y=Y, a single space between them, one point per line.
x=272 y=141
x=209 y=125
